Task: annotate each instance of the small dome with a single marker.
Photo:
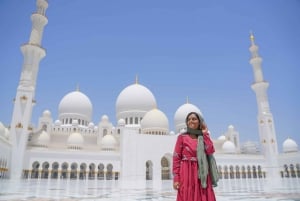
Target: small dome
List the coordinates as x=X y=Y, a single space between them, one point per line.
x=228 y=147
x=172 y=133
x=57 y=122
x=91 y=125
x=104 y=118
x=121 y=122
x=43 y=139
x=75 y=105
x=230 y=128
x=155 y=122
x=134 y=101
x=75 y=140
x=108 y=142
x=182 y=112
x=47 y=113
x=289 y=145
x=222 y=137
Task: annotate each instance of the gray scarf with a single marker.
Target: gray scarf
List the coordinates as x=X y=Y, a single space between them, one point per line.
x=205 y=163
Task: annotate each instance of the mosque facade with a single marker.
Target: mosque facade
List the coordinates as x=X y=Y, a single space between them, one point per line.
x=140 y=145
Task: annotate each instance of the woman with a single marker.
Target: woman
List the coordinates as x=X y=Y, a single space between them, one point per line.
x=194 y=167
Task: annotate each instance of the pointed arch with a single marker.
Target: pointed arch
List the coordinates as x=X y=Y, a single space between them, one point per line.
x=149 y=170
x=54 y=172
x=45 y=170
x=166 y=167
x=35 y=170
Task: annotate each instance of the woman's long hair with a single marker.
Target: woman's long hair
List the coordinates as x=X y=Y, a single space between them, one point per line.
x=199 y=117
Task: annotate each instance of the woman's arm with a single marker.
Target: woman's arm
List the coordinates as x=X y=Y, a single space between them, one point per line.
x=177 y=156
x=209 y=145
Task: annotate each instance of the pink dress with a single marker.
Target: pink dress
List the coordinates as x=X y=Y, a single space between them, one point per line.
x=185 y=170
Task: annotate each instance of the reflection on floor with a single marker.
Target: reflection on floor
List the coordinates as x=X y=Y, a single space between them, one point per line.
x=95 y=190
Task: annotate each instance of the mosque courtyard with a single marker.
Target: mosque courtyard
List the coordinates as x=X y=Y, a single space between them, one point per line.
x=99 y=190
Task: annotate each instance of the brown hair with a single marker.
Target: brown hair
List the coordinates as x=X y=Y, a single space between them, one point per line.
x=199 y=117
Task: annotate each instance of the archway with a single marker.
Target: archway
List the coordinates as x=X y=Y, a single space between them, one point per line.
x=109 y=172
x=82 y=173
x=54 y=172
x=45 y=170
x=35 y=170
x=149 y=170
x=165 y=169
x=73 y=174
x=100 y=174
x=92 y=171
x=64 y=170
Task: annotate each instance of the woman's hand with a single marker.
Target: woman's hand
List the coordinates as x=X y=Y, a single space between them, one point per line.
x=176 y=185
x=204 y=128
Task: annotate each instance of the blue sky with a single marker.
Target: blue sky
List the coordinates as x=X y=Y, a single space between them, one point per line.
x=178 y=49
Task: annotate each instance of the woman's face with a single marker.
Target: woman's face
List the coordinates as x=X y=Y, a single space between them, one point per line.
x=193 y=122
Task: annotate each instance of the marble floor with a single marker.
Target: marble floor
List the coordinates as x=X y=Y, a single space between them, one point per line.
x=95 y=190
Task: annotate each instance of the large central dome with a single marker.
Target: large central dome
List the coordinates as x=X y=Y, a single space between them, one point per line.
x=134 y=101
x=181 y=113
x=77 y=105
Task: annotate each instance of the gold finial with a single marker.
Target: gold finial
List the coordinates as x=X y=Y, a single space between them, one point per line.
x=251 y=37
x=187 y=99
x=136 y=79
x=77 y=87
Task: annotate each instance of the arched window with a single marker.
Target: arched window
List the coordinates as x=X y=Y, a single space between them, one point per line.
x=237 y=172
x=260 y=174
x=286 y=171
x=149 y=170
x=82 y=173
x=100 y=174
x=35 y=170
x=249 y=171
x=92 y=171
x=131 y=120
x=104 y=132
x=254 y=171
x=45 y=170
x=225 y=172
x=54 y=172
x=244 y=172
x=73 y=174
x=220 y=171
x=292 y=170
x=231 y=172
x=165 y=169
x=64 y=170
x=109 y=172
x=298 y=169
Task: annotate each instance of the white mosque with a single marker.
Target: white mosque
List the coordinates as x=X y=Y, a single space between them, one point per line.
x=139 y=146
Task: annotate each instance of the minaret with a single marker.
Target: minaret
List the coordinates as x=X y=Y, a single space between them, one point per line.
x=266 y=127
x=24 y=100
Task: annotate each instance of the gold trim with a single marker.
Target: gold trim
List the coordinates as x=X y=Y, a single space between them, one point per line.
x=19 y=125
